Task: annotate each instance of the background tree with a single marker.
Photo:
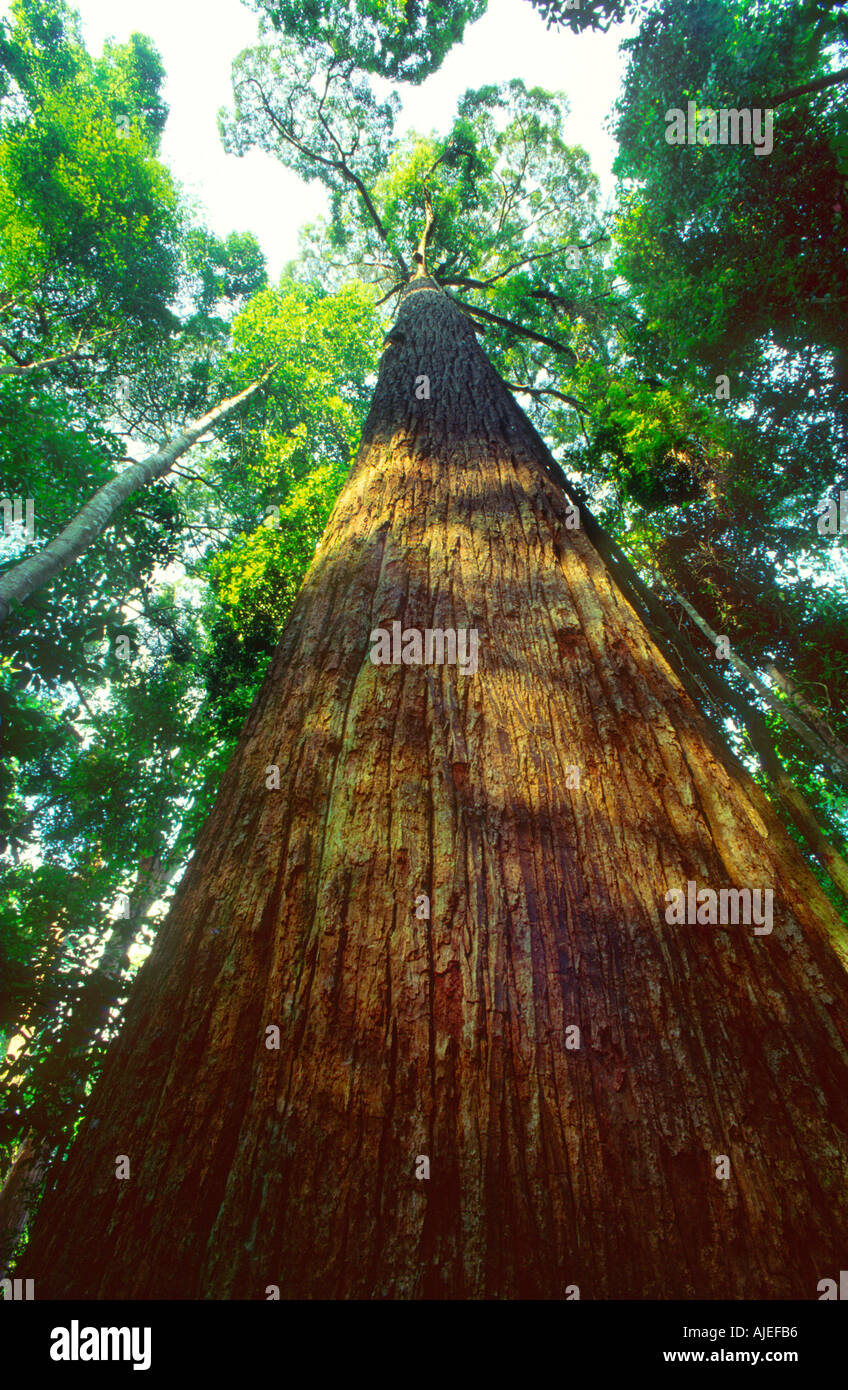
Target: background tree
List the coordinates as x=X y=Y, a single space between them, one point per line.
x=738 y=283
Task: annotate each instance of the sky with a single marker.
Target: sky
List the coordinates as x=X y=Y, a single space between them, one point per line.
x=198 y=40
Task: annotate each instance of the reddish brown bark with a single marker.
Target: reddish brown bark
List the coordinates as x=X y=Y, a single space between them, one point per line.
x=401 y=1037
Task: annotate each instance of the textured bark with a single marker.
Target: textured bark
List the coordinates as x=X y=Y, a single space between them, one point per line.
x=23 y=579
x=402 y=1037
x=723 y=700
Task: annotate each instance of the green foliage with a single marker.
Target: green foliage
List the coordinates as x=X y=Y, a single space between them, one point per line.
x=586 y=14
x=227 y=271
x=401 y=39
x=257 y=579
x=293 y=453
x=722 y=246
x=88 y=217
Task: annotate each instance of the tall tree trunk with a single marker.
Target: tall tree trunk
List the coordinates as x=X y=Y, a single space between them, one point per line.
x=94 y=516
x=452 y=1038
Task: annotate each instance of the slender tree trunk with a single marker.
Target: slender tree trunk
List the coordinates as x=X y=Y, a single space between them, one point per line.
x=69 y=1062
x=814 y=716
x=20 y=1191
x=91 y=520
x=452 y=1038
x=823 y=749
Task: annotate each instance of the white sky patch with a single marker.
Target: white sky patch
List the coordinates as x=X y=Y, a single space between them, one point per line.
x=199 y=39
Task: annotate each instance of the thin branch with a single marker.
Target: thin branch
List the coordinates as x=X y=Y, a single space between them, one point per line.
x=197 y=478
x=541 y=391
x=76 y=354
x=394 y=290
x=468 y=282
x=340 y=165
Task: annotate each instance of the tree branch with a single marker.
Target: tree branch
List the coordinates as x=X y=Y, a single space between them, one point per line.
x=517 y=328
x=468 y=282
x=74 y=355
x=818 y=85
x=340 y=165
x=546 y=391
x=23 y=579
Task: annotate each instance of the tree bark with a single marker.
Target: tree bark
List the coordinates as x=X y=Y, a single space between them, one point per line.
x=23 y=579
x=711 y=693
x=451 y=1038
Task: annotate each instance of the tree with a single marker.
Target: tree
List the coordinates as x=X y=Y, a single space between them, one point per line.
x=768 y=228
x=89 y=221
x=419 y=1023
x=432 y=1013
x=400 y=39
